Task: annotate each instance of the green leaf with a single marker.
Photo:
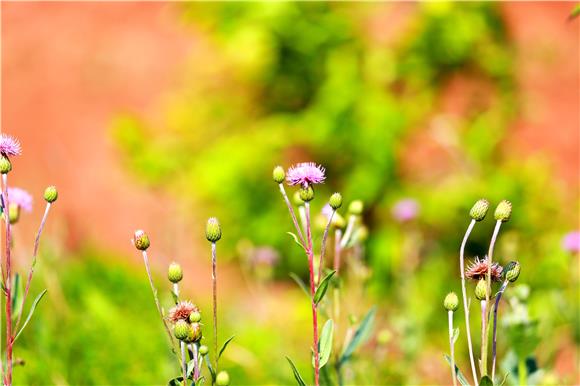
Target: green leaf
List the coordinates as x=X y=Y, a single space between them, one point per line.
x=17 y=296
x=297 y=375
x=325 y=343
x=504 y=379
x=300 y=283
x=296 y=239
x=322 y=287
x=32 y=308
x=455 y=335
x=485 y=381
x=175 y=382
x=460 y=376
x=190 y=368
x=225 y=345
x=360 y=336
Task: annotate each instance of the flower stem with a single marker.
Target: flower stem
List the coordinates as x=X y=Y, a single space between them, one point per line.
x=291 y=210
x=493 y=349
x=348 y=231
x=183 y=362
x=483 y=363
x=336 y=304
x=451 y=347
x=8 y=285
x=488 y=292
x=323 y=247
x=464 y=296
x=312 y=292
x=214 y=290
x=522 y=372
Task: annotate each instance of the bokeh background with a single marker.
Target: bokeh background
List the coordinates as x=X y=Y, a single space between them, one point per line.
x=159 y=115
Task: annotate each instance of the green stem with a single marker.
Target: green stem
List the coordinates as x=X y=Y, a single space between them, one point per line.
x=483 y=338
x=522 y=372
x=451 y=347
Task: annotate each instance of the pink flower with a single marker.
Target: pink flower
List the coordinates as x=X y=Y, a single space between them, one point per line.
x=9 y=145
x=571 y=242
x=21 y=198
x=305 y=174
x=405 y=210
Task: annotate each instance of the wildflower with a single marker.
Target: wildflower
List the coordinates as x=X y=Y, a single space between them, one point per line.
x=174 y=273
x=195 y=317
x=21 y=198
x=194 y=334
x=50 y=194
x=305 y=174
x=405 y=210
x=451 y=302
x=182 y=311
x=571 y=242
x=213 y=232
x=479 y=210
x=478 y=270
x=141 y=240
x=203 y=349
x=5 y=165
x=307 y=193
x=9 y=145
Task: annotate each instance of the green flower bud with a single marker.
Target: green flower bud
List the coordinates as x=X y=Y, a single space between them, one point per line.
x=512 y=271
x=356 y=207
x=5 y=165
x=307 y=194
x=203 y=349
x=222 y=379
x=141 y=240
x=50 y=194
x=279 y=175
x=175 y=273
x=479 y=210
x=195 y=317
x=503 y=211
x=297 y=200
x=13 y=213
x=181 y=329
x=338 y=221
x=335 y=201
x=451 y=302
x=193 y=333
x=481 y=290
x=361 y=234
x=213 y=231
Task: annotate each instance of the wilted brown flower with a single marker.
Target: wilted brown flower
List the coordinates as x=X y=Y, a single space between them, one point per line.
x=182 y=311
x=478 y=270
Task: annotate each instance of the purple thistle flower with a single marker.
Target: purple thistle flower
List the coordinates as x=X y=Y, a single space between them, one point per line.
x=405 y=210
x=571 y=241
x=305 y=174
x=21 y=198
x=9 y=145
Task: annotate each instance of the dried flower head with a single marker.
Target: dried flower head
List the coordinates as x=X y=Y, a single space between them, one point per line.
x=9 y=145
x=478 y=270
x=182 y=311
x=21 y=198
x=305 y=174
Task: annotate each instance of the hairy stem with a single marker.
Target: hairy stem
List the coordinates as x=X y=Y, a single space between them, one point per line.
x=312 y=292
x=494 y=340
x=291 y=210
x=451 y=347
x=323 y=247
x=464 y=296
x=214 y=290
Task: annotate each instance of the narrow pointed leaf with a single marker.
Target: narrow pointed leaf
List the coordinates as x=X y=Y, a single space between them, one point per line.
x=300 y=283
x=325 y=343
x=504 y=379
x=17 y=297
x=455 y=335
x=485 y=381
x=296 y=239
x=225 y=345
x=360 y=336
x=190 y=368
x=297 y=375
x=32 y=308
x=460 y=377
x=322 y=287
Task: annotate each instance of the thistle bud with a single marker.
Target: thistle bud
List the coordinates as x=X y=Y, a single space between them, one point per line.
x=481 y=290
x=338 y=221
x=279 y=175
x=175 y=273
x=479 y=210
x=503 y=211
x=203 y=349
x=356 y=207
x=195 y=317
x=5 y=165
x=512 y=271
x=451 y=302
x=222 y=379
x=193 y=333
x=335 y=201
x=213 y=231
x=13 y=213
x=181 y=329
x=297 y=200
x=141 y=240
x=306 y=194
x=50 y=194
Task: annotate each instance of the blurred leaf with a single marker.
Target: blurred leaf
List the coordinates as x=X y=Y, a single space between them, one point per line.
x=30 y=313
x=225 y=345
x=325 y=344
x=322 y=287
x=485 y=381
x=175 y=382
x=297 y=375
x=460 y=376
x=361 y=334
x=296 y=239
x=523 y=337
x=190 y=368
x=300 y=283
x=575 y=12
x=503 y=381
x=455 y=335
x=18 y=294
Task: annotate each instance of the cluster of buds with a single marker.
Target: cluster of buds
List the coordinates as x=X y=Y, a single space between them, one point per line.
x=186 y=319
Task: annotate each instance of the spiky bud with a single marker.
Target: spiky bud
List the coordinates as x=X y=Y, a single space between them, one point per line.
x=222 y=379
x=503 y=211
x=451 y=302
x=479 y=210
x=481 y=290
x=279 y=175
x=195 y=317
x=50 y=194
x=5 y=165
x=13 y=213
x=356 y=207
x=307 y=193
x=175 y=273
x=181 y=329
x=338 y=221
x=335 y=201
x=193 y=333
x=512 y=271
x=141 y=240
x=213 y=231
x=203 y=349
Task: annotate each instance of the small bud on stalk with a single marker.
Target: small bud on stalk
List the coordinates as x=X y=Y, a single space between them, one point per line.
x=195 y=317
x=279 y=175
x=141 y=240
x=203 y=349
x=512 y=271
x=481 y=290
x=50 y=194
x=503 y=211
x=174 y=273
x=213 y=231
x=5 y=165
x=479 y=210
x=181 y=329
x=451 y=302
x=306 y=194
x=335 y=201
x=356 y=207
x=223 y=379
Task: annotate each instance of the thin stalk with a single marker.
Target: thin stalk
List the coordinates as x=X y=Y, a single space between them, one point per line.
x=302 y=215
x=336 y=304
x=312 y=292
x=291 y=210
x=196 y=362
x=34 y=254
x=483 y=338
x=522 y=372
x=8 y=285
x=348 y=232
x=323 y=247
x=488 y=292
x=451 y=347
x=183 y=362
x=214 y=290
x=494 y=344
x=464 y=296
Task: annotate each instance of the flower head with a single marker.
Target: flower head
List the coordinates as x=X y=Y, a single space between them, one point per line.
x=571 y=242
x=182 y=311
x=9 y=145
x=405 y=210
x=305 y=174
x=478 y=270
x=21 y=198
